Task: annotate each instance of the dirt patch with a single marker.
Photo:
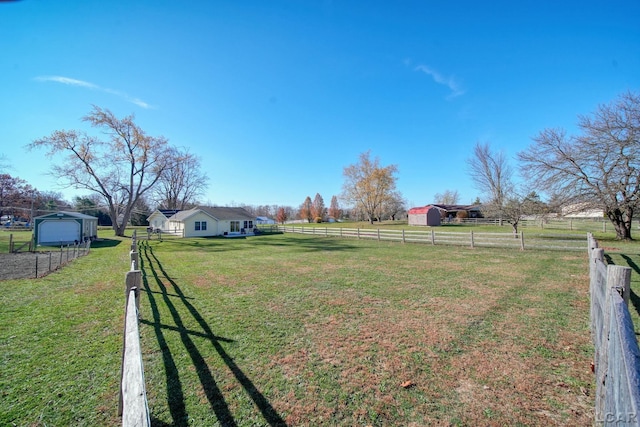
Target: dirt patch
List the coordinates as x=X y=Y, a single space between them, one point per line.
x=29 y=265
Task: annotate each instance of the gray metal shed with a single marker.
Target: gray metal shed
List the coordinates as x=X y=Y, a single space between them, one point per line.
x=62 y=228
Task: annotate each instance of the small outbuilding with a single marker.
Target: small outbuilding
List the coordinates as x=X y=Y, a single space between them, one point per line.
x=62 y=228
x=424 y=215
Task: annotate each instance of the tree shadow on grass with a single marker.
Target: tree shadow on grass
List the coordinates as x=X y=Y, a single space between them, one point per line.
x=312 y=243
x=212 y=391
x=105 y=243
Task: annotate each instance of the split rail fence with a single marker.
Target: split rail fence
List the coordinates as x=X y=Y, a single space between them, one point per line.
x=471 y=239
x=133 y=406
x=617 y=357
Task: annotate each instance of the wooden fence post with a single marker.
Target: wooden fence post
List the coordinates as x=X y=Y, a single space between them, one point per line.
x=133 y=280
x=619 y=277
x=471 y=239
x=433 y=237
x=378 y=234
x=134 y=260
x=403 y=241
x=521 y=241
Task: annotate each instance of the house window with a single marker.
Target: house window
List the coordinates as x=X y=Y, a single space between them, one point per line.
x=203 y=225
x=235 y=226
x=197 y=225
x=248 y=224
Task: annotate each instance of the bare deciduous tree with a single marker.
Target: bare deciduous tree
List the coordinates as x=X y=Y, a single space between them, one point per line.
x=492 y=175
x=182 y=183
x=368 y=185
x=598 y=169
x=449 y=197
x=120 y=169
x=393 y=206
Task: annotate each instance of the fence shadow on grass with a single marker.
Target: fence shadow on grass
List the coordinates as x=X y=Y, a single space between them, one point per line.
x=212 y=391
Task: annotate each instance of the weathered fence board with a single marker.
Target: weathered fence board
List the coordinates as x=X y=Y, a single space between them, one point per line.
x=135 y=410
x=133 y=405
x=616 y=356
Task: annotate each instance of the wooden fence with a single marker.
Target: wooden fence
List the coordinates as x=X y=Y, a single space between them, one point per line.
x=471 y=239
x=571 y=224
x=617 y=357
x=133 y=406
x=16 y=247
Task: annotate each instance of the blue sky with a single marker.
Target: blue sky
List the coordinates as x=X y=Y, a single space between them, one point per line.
x=277 y=97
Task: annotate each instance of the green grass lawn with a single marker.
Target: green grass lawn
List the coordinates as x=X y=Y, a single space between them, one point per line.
x=299 y=330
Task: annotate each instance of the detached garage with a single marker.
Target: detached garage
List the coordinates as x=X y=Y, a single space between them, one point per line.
x=62 y=228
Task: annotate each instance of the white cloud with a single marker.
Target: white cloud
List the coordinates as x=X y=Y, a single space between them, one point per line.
x=81 y=83
x=449 y=81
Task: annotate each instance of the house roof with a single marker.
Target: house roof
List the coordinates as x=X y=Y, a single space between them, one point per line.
x=168 y=212
x=454 y=208
x=219 y=213
x=66 y=213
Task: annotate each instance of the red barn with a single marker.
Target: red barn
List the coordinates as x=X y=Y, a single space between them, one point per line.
x=425 y=215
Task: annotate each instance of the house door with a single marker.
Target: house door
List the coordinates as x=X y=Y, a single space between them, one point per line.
x=235 y=226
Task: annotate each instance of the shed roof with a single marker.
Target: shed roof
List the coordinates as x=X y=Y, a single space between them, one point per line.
x=66 y=213
x=421 y=210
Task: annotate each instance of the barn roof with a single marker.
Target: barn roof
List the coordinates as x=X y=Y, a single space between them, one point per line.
x=421 y=210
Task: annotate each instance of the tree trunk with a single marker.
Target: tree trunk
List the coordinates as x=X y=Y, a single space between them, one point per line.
x=622 y=223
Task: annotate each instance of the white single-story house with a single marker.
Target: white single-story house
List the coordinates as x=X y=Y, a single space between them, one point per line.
x=205 y=221
x=582 y=211
x=159 y=219
x=265 y=220
x=62 y=228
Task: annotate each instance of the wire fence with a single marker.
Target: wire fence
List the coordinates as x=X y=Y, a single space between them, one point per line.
x=30 y=265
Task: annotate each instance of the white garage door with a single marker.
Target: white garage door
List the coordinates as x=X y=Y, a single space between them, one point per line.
x=59 y=231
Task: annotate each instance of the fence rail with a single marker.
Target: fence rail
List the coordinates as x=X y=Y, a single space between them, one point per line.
x=471 y=239
x=133 y=405
x=617 y=356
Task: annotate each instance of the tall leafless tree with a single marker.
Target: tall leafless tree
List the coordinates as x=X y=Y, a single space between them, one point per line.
x=182 y=183
x=597 y=169
x=492 y=175
x=120 y=169
x=449 y=197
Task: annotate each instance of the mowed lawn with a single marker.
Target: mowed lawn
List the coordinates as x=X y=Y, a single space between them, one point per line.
x=302 y=330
